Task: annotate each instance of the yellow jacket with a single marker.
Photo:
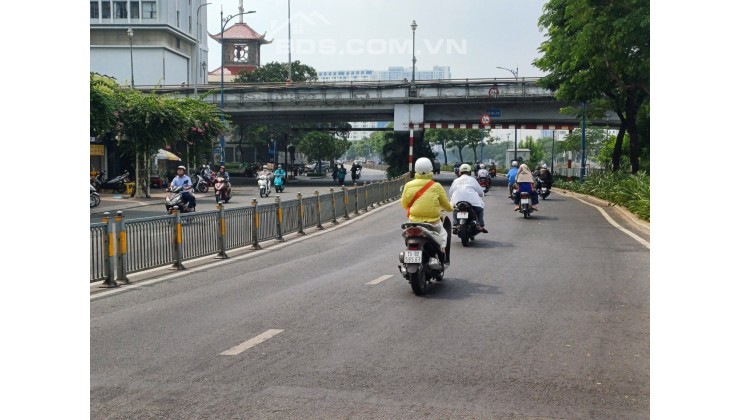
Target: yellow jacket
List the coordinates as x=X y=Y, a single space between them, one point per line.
x=428 y=206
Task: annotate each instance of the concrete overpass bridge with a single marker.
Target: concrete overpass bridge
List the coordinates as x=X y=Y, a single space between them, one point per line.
x=467 y=103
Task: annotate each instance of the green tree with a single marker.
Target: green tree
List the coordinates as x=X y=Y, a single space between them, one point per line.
x=319 y=145
x=536 y=151
x=599 y=50
x=274 y=72
x=144 y=123
x=441 y=137
x=103 y=104
x=462 y=138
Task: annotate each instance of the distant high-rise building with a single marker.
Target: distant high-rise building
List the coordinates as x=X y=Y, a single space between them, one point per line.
x=157 y=41
x=393 y=73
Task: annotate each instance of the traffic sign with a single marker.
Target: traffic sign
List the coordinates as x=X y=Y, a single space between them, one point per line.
x=485 y=119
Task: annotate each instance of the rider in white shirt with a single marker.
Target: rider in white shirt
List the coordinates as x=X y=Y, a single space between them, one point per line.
x=466 y=188
x=182 y=180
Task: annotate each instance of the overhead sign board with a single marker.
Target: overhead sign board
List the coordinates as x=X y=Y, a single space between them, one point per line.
x=403 y=114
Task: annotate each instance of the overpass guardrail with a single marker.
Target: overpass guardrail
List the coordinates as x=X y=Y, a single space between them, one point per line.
x=364 y=91
x=119 y=247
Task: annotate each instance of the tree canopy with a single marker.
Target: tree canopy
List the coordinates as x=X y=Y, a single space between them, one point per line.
x=274 y=72
x=597 y=50
x=143 y=123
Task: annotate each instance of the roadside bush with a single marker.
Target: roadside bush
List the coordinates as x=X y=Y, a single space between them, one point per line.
x=627 y=190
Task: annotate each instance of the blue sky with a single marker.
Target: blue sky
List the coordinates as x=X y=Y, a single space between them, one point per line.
x=472 y=37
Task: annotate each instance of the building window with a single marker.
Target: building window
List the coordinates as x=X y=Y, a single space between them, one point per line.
x=119 y=9
x=178 y=43
x=94 y=10
x=106 y=10
x=178 y=18
x=190 y=24
x=149 y=9
x=134 y=9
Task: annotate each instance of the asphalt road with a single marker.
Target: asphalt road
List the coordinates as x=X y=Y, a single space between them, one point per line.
x=541 y=318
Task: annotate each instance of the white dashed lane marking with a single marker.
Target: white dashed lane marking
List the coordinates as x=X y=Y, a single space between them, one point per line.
x=251 y=342
x=379 y=279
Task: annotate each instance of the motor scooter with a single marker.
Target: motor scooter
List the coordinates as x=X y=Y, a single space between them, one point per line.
x=467 y=220
x=483 y=182
x=543 y=188
x=279 y=183
x=264 y=184
x=525 y=204
x=174 y=200
x=94 y=197
x=117 y=184
x=222 y=190
x=422 y=260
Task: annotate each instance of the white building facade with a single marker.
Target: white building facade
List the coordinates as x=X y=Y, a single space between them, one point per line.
x=168 y=45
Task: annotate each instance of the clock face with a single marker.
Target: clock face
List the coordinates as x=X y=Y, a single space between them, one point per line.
x=241 y=53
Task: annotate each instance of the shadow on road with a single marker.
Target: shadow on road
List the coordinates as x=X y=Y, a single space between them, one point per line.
x=455 y=288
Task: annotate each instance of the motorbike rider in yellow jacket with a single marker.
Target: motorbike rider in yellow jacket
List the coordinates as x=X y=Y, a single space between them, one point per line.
x=428 y=206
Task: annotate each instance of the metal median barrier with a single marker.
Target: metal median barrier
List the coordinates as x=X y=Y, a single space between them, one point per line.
x=119 y=247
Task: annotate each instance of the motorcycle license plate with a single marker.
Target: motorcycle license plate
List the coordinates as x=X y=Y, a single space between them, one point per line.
x=412 y=257
x=462 y=215
x=525 y=200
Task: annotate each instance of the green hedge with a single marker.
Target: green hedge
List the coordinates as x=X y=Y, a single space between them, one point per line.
x=627 y=190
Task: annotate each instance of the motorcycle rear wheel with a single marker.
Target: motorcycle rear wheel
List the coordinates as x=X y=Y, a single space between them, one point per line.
x=464 y=236
x=202 y=187
x=120 y=188
x=94 y=200
x=262 y=192
x=418 y=282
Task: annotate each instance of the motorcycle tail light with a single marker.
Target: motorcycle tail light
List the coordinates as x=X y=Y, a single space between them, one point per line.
x=413 y=231
x=413 y=247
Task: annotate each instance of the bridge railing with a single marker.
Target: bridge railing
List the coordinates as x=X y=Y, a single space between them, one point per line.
x=119 y=247
x=376 y=91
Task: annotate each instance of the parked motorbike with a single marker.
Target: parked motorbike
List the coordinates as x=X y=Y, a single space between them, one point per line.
x=279 y=183
x=264 y=184
x=252 y=170
x=483 y=182
x=222 y=190
x=174 y=200
x=117 y=184
x=421 y=261
x=467 y=220
x=202 y=184
x=94 y=197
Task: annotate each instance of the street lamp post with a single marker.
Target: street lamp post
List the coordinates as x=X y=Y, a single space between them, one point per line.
x=552 y=155
x=514 y=72
x=130 y=33
x=197 y=54
x=224 y=22
x=290 y=61
x=413 y=54
x=583 y=142
x=481 y=145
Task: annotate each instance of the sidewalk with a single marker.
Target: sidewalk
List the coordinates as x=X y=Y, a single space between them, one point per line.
x=114 y=201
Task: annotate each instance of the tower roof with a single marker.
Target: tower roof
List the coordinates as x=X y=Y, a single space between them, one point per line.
x=242 y=32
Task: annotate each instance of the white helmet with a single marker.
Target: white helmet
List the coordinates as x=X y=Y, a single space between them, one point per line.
x=514 y=163
x=423 y=166
x=544 y=166
x=465 y=168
